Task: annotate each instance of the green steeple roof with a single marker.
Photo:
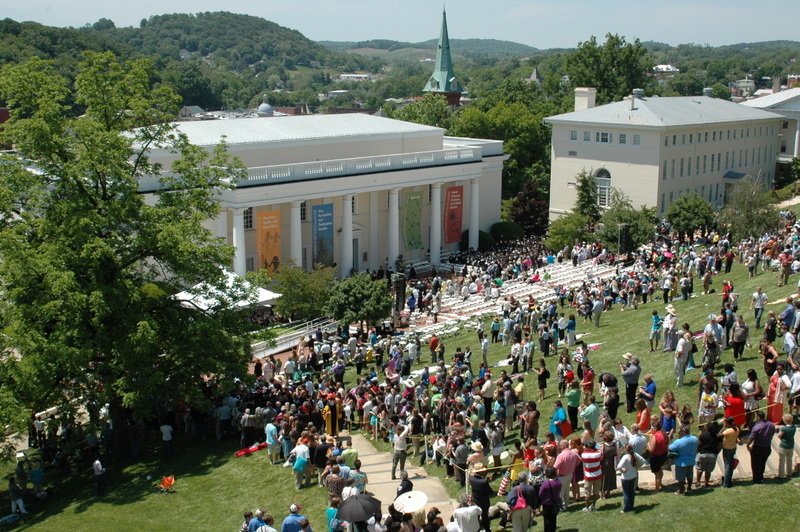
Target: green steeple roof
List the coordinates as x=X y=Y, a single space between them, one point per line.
x=443 y=78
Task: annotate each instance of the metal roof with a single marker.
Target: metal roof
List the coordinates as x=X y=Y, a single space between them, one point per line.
x=295 y=128
x=771 y=100
x=659 y=112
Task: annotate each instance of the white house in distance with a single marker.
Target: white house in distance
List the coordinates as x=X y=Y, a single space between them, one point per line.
x=353 y=190
x=787 y=104
x=656 y=150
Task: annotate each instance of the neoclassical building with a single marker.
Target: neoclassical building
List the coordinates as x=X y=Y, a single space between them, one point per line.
x=354 y=190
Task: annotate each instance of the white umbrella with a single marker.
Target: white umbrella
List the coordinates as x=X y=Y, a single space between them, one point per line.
x=410 y=501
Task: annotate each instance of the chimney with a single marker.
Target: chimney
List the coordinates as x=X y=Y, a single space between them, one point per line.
x=638 y=93
x=708 y=91
x=776 y=85
x=584 y=98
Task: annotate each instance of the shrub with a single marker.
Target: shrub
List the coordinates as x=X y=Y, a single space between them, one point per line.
x=485 y=241
x=503 y=231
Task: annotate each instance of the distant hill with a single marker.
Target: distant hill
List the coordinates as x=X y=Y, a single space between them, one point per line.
x=463 y=47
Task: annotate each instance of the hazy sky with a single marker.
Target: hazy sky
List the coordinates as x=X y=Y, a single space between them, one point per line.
x=544 y=24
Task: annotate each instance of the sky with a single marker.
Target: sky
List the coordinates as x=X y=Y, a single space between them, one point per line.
x=543 y=24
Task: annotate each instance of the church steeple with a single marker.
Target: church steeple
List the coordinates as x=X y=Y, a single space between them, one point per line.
x=443 y=80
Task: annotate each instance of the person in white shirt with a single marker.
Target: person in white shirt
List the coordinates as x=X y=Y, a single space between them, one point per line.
x=399 y=456
x=467 y=516
x=99 y=476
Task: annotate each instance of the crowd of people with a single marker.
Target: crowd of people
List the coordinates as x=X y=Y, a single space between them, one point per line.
x=478 y=422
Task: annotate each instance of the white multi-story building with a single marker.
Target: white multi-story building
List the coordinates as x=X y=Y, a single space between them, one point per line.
x=656 y=150
x=787 y=104
x=354 y=190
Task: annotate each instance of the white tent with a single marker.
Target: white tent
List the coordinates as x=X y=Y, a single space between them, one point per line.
x=204 y=297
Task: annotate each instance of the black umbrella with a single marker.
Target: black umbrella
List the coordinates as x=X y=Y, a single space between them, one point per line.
x=359 y=508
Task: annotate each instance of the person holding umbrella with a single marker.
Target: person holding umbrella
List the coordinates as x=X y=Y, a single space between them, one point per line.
x=358 y=509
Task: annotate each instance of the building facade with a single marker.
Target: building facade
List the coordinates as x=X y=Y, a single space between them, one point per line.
x=356 y=191
x=787 y=104
x=656 y=150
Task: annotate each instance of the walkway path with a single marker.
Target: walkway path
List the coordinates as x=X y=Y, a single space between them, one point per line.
x=378 y=467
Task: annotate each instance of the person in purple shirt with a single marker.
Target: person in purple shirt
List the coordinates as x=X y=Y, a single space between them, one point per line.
x=760 y=445
x=550 y=498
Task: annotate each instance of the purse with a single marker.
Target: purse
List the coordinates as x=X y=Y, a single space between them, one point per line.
x=520 y=503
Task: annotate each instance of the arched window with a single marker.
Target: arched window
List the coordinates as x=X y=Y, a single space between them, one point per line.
x=602 y=178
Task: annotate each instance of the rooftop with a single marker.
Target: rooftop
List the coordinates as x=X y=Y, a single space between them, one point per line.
x=294 y=128
x=656 y=112
x=773 y=100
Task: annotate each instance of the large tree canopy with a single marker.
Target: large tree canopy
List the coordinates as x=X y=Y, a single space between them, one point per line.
x=690 y=213
x=360 y=298
x=89 y=264
x=614 y=68
x=749 y=212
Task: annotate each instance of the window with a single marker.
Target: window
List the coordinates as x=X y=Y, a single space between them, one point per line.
x=587 y=136
x=670 y=197
x=697 y=164
x=623 y=138
x=602 y=178
x=683 y=139
x=664 y=171
x=705 y=157
x=705 y=137
x=689 y=166
x=729 y=134
x=637 y=140
x=603 y=137
x=250 y=263
x=691 y=138
x=719 y=160
x=303 y=214
x=666 y=141
x=783 y=146
x=716 y=194
x=672 y=170
x=353 y=205
x=430 y=193
x=248 y=218
x=573 y=134
x=674 y=139
x=785 y=124
x=714 y=136
x=712 y=162
x=572 y=153
x=726 y=159
x=662 y=202
x=681 y=170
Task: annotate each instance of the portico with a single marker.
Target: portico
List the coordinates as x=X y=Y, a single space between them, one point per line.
x=355 y=191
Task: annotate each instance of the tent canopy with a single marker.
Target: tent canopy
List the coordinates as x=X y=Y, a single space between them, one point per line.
x=205 y=297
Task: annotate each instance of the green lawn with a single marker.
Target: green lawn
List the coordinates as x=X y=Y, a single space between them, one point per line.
x=213 y=488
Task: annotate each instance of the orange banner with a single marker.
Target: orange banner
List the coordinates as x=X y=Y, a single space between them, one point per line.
x=453 y=212
x=268 y=234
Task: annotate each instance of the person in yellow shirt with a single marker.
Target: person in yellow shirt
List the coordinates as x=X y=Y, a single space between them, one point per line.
x=730 y=437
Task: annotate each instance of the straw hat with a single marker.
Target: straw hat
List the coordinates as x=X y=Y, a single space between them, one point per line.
x=476 y=446
x=670 y=309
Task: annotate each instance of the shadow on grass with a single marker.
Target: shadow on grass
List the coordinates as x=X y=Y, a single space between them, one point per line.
x=128 y=483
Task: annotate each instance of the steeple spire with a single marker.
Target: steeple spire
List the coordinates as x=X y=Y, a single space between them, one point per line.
x=443 y=80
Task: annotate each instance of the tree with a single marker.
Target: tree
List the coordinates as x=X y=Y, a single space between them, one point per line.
x=690 y=213
x=432 y=110
x=359 y=298
x=614 y=68
x=586 y=202
x=530 y=206
x=301 y=291
x=640 y=224
x=90 y=265
x=567 y=230
x=721 y=91
x=749 y=212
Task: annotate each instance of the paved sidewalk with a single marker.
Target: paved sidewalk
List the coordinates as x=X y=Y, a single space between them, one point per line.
x=742 y=472
x=378 y=467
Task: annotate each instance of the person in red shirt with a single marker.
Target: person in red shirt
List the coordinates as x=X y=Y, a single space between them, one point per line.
x=587 y=383
x=433 y=345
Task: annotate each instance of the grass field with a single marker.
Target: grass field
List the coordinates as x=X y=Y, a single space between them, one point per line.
x=213 y=488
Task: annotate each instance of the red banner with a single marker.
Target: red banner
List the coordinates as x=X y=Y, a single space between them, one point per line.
x=453 y=213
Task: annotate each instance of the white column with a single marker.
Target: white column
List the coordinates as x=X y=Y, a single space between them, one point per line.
x=239 y=259
x=222 y=224
x=374 y=260
x=295 y=235
x=474 y=212
x=346 y=260
x=797 y=139
x=436 y=223
x=394 y=227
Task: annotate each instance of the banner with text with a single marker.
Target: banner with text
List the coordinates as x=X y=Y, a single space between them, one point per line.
x=322 y=234
x=268 y=234
x=412 y=233
x=453 y=213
